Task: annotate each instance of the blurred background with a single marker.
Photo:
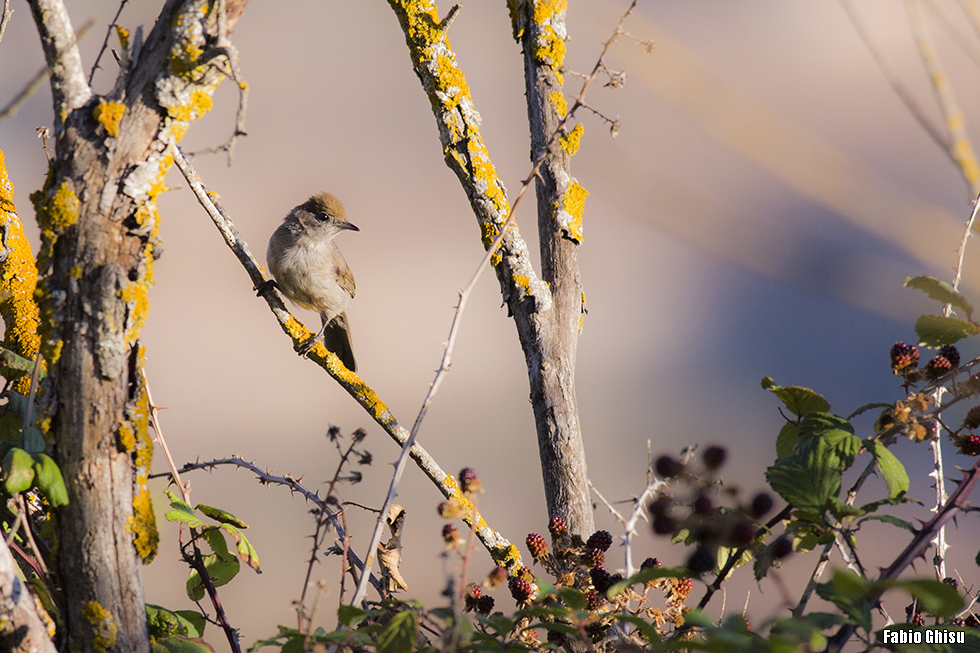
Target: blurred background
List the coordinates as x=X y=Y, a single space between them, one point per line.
x=766 y=197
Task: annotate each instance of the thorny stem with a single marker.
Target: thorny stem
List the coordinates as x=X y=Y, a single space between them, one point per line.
x=105 y=41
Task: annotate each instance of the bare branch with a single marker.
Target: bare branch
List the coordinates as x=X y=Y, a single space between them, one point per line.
x=105 y=41
x=68 y=86
x=5 y=17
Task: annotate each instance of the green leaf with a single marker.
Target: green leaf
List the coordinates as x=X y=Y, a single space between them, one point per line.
x=13 y=366
x=194 y=621
x=799 y=400
x=648 y=630
x=18 y=471
x=222 y=516
x=851 y=594
x=786 y=440
x=940 y=291
x=866 y=407
x=936 y=330
x=163 y=622
x=349 y=615
x=647 y=575
x=892 y=470
x=573 y=598
x=182 y=512
x=49 y=481
x=246 y=551
x=889 y=519
x=399 y=634
x=178 y=644
x=935 y=597
x=221 y=570
x=809 y=476
x=837 y=431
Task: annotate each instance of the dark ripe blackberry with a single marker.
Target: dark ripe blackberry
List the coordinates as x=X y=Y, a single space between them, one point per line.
x=660 y=507
x=595 y=599
x=557 y=527
x=473 y=594
x=594 y=557
x=782 y=548
x=484 y=605
x=668 y=467
x=520 y=589
x=952 y=582
x=701 y=561
x=684 y=587
x=950 y=353
x=904 y=357
x=664 y=525
x=601 y=540
x=714 y=457
x=972 y=622
x=702 y=505
x=496 y=577
x=601 y=579
x=537 y=546
x=970 y=445
x=649 y=562
x=972 y=419
x=615 y=578
x=557 y=638
x=469 y=481
x=742 y=533
x=938 y=367
x=761 y=505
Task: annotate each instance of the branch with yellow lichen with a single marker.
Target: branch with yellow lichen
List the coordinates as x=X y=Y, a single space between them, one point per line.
x=502 y=551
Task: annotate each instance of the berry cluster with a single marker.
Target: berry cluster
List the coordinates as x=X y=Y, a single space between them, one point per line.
x=905 y=360
x=904 y=357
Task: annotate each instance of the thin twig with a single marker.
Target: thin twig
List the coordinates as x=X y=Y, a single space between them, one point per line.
x=105 y=41
x=5 y=17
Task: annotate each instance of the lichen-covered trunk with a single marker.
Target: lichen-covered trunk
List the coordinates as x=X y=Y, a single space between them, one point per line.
x=98 y=219
x=551 y=360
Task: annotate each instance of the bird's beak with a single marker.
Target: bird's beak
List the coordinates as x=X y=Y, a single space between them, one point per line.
x=348 y=225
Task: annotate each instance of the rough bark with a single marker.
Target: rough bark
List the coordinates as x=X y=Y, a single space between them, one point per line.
x=98 y=218
x=21 y=628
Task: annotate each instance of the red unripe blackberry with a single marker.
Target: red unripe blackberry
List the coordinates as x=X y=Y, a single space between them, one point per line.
x=714 y=457
x=972 y=419
x=468 y=480
x=484 y=605
x=950 y=353
x=601 y=579
x=526 y=573
x=594 y=557
x=782 y=548
x=537 y=546
x=520 y=589
x=761 y=505
x=496 y=577
x=684 y=587
x=473 y=593
x=957 y=621
x=601 y=540
x=917 y=619
x=904 y=357
x=938 y=367
x=702 y=505
x=595 y=599
x=668 y=467
x=649 y=562
x=557 y=527
x=701 y=561
x=970 y=445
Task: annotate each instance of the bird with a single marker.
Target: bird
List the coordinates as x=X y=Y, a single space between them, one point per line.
x=311 y=272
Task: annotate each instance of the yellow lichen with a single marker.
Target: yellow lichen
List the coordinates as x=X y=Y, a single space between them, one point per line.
x=573 y=203
x=559 y=102
x=101 y=626
x=522 y=281
x=60 y=210
x=570 y=142
x=109 y=114
x=134 y=437
x=134 y=293
x=198 y=106
x=123 y=35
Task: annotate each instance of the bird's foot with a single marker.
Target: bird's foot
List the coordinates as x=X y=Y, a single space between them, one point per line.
x=265 y=287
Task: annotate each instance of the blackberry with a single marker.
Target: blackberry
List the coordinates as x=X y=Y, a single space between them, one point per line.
x=904 y=357
x=970 y=445
x=952 y=582
x=473 y=594
x=702 y=505
x=469 y=481
x=601 y=579
x=601 y=540
x=950 y=353
x=917 y=620
x=594 y=599
x=957 y=621
x=761 y=505
x=664 y=525
x=557 y=527
x=668 y=467
x=649 y=562
x=782 y=548
x=938 y=367
x=484 y=605
x=701 y=561
x=742 y=533
x=526 y=574
x=972 y=419
x=594 y=557
x=714 y=457
x=520 y=589
x=557 y=638
x=537 y=546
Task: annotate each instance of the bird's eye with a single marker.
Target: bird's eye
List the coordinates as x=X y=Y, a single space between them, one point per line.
x=322 y=217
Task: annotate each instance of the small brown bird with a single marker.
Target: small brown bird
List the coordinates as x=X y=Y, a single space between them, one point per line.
x=310 y=270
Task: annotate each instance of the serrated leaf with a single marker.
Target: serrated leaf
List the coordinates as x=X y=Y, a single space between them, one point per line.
x=889 y=519
x=163 y=622
x=18 y=471
x=14 y=366
x=648 y=629
x=221 y=569
x=851 y=594
x=934 y=596
x=573 y=598
x=399 y=634
x=941 y=291
x=222 y=516
x=809 y=476
x=866 y=407
x=892 y=470
x=799 y=400
x=246 y=551
x=936 y=330
x=181 y=512
x=194 y=620
x=48 y=479
x=786 y=440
